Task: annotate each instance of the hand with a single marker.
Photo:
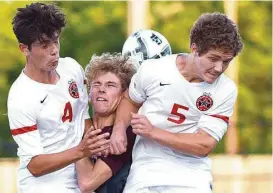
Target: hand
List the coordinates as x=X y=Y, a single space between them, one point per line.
x=94 y=143
x=106 y=152
x=118 y=142
x=141 y=125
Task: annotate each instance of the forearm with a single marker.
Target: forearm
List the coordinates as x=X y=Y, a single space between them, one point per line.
x=123 y=113
x=90 y=175
x=84 y=168
x=47 y=163
x=199 y=144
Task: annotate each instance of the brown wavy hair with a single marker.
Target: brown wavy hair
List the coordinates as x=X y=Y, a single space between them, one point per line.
x=215 y=31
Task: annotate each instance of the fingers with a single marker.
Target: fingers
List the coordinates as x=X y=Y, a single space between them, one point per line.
x=122 y=147
x=136 y=131
x=136 y=116
x=98 y=151
x=137 y=126
x=138 y=119
x=140 y=132
x=91 y=132
x=105 y=153
x=94 y=137
x=100 y=143
x=116 y=149
x=118 y=143
x=92 y=128
x=112 y=149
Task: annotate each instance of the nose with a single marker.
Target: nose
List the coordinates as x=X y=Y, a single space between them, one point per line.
x=102 y=89
x=218 y=66
x=55 y=49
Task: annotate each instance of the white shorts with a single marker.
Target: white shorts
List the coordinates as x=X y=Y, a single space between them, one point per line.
x=166 y=189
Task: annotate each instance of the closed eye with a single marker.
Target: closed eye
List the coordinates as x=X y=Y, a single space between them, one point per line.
x=45 y=46
x=112 y=85
x=213 y=59
x=96 y=84
x=227 y=61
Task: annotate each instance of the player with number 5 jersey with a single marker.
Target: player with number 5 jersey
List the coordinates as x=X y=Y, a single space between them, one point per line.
x=175 y=105
x=186 y=102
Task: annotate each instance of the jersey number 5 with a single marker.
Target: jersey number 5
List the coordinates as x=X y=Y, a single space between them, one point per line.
x=68 y=114
x=181 y=117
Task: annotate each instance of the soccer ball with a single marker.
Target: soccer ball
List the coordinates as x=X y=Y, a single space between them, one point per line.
x=146 y=44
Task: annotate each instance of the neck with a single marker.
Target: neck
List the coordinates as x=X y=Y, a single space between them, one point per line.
x=46 y=77
x=100 y=122
x=187 y=68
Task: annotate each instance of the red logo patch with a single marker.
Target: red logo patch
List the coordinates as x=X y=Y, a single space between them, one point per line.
x=204 y=102
x=73 y=89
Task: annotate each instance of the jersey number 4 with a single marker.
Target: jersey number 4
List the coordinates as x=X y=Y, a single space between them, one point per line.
x=181 y=118
x=68 y=114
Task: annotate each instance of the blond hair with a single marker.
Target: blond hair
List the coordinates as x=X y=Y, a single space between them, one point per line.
x=121 y=66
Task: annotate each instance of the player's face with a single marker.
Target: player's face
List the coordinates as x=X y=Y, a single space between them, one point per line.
x=212 y=64
x=105 y=93
x=44 y=55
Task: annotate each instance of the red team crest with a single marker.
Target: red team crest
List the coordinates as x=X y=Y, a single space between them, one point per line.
x=73 y=89
x=204 y=102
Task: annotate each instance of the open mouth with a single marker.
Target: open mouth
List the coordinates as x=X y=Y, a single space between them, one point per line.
x=101 y=99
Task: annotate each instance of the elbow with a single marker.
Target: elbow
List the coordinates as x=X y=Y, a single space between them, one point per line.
x=34 y=171
x=35 y=168
x=207 y=147
x=205 y=151
x=86 y=186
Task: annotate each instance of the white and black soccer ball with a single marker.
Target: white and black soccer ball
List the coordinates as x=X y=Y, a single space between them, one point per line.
x=146 y=44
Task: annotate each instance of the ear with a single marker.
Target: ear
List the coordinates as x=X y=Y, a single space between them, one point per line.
x=24 y=49
x=194 y=49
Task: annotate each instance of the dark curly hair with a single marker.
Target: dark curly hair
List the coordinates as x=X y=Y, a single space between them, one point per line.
x=215 y=30
x=36 y=21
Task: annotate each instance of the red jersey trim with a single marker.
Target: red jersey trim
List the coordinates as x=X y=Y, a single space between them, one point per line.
x=23 y=130
x=224 y=118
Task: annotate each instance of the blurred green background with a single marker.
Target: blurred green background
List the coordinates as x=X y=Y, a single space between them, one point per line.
x=99 y=26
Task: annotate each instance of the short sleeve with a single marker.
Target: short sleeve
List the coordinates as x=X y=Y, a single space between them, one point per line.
x=143 y=81
x=85 y=95
x=24 y=131
x=216 y=122
x=83 y=84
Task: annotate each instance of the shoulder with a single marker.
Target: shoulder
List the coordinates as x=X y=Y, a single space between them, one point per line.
x=69 y=60
x=71 y=68
x=225 y=92
x=69 y=64
x=156 y=68
x=160 y=63
x=21 y=91
x=226 y=85
x=16 y=86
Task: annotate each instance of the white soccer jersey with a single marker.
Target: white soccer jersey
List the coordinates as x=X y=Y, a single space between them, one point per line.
x=46 y=119
x=176 y=105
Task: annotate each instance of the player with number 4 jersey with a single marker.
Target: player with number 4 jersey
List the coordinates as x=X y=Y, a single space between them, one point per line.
x=48 y=106
x=48 y=119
